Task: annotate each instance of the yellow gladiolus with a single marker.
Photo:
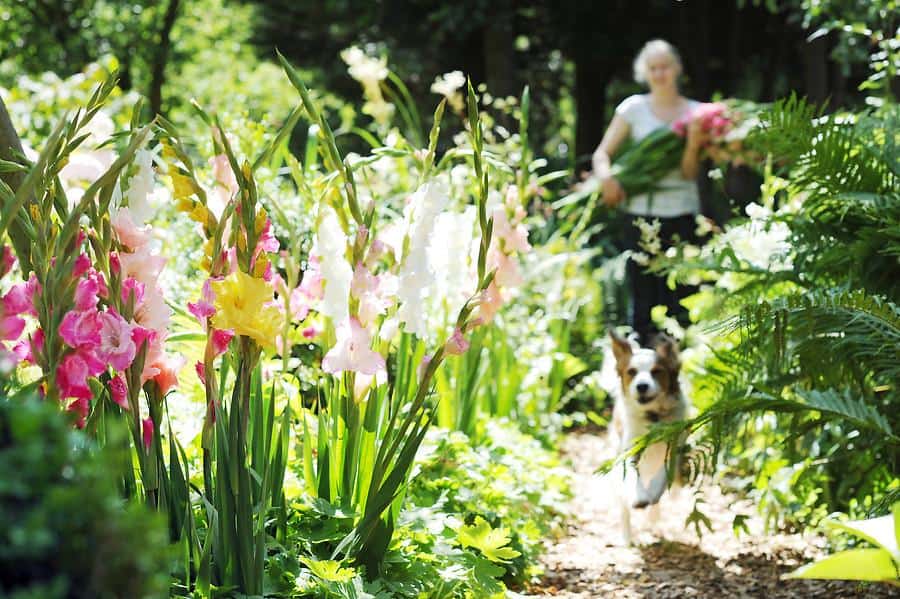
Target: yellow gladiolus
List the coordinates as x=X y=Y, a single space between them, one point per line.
x=243 y=304
x=183 y=187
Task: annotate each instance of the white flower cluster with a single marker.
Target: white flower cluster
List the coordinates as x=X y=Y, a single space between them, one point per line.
x=761 y=242
x=449 y=86
x=370 y=72
x=331 y=245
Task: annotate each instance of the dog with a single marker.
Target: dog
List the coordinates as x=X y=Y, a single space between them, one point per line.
x=649 y=392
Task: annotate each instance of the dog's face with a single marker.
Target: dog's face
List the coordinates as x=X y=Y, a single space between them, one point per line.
x=646 y=374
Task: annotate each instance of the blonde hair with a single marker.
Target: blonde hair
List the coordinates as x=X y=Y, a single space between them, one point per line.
x=653 y=47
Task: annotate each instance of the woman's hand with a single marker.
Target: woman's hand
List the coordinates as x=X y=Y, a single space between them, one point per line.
x=613 y=194
x=696 y=136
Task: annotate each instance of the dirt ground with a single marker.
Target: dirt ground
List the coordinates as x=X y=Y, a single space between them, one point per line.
x=668 y=561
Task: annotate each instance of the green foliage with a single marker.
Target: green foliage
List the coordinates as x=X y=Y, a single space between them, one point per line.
x=881 y=564
x=64 y=530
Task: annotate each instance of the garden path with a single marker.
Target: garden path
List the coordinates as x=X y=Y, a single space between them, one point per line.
x=590 y=560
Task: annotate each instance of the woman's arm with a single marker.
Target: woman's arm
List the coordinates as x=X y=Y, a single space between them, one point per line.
x=690 y=159
x=615 y=134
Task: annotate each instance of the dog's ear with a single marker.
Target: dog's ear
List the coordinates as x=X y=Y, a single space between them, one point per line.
x=667 y=350
x=621 y=348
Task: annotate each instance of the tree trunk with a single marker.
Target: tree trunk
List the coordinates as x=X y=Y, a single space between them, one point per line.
x=816 y=71
x=158 y=72
x=499 y=53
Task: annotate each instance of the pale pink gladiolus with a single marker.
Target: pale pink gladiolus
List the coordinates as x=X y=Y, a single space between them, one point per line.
x=513 y=238
x=352 y=352
x=220 y=340
x=312 y=285
x=116 y=345
x=80 y=329
x=507 y=268
x=153 y=313
x=457 y=344
x=223 y=174
x=363 y=382
x=423 y=366
x=142 y=265
x=147 y=429
x=490 y=302
x=130 y=234
x=363 y=282
x=300 y=304
x=118 y=391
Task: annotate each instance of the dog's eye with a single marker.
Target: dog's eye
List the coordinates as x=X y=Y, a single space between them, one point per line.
x=632 y=371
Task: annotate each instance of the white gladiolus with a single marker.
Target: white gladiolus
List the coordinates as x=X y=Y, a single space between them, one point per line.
x=331 y=244
x=416 y=273
x=139 y=187
x=450 y=255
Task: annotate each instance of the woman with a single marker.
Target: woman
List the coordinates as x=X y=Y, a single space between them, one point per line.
x=677 y=203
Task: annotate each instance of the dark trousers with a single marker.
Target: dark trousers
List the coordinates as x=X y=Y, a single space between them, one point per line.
x=648 y=290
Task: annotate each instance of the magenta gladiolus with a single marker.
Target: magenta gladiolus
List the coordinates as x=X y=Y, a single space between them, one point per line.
x=82 y=264
x=80 y=329
x=203 y=309
x=201 y=372
x=132 y=287
x=147 y=430
x=11 y=327
x=7 y=260
x=118 y=391
x=80 y=406
x=71 y=377
x=220 y=340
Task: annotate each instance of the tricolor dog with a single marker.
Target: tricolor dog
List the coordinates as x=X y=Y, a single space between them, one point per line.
x=649 y=392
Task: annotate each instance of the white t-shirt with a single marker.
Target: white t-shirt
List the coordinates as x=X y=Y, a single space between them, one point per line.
x=678 y=196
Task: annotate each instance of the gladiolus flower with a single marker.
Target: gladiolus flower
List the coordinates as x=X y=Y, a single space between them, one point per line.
x=116 y=345
x=81 y=407
x=118 y=391
x=147 y=429
x=490 y=302
x=457 y=344
x=167 y=377
x=11 y=327
x=80 y=329
x=352 y=351
x=133 y=287
x=311 y=332
x=243 y=304
x=7 y=260
x=201 y=372
x=82 y=264
x=220 y=340
x=130 y=235
x=71 y=377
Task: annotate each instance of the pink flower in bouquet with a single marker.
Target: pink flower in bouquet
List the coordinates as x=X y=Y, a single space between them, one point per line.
x=142 y=265
x=26 y=349
x=81 y=407
x=153 y=313
x=147 y=429
x=140 y=335
x=90 y=288
x=130 y=235
x=118 y=391
x=507 y=268
x=116 y=345
x=457 y=344
x=80 y=329
x=352 y=351
x=513 y=238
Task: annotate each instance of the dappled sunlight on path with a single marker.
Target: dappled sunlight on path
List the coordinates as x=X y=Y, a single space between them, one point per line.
x=669 y=561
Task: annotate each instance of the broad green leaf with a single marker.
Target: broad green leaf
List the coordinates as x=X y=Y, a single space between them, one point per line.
x=329 y=570
x=490 y=541
x=873 y=565
x=878 y=531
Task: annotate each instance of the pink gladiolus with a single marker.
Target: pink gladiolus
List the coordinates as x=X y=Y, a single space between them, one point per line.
x=118 y=391
x=507 y=269
x=80 y=329
x=71 y=377
x=513 y=238
x=167 y=377
x=201 y=372
x=7 y=260
x=142 y=265
x=82 y=264
x=203 y=308
x=141 y=334
x=35 y=346
x=363 y=281
x=223 y=174
x=312 y=285
x=11 y=327
x=490 y=302
x=116 y=345
x=147 y=429
x=220 y=340
x=115 y=265
x=132 y=287
x=423 y=366
x=457 y=344
x=88 y=291
x=130 y=235
x=153 y=313
x=81 y=407
x=16 y=301
x=300 y=305
x=352 y=351
x=311 y=332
